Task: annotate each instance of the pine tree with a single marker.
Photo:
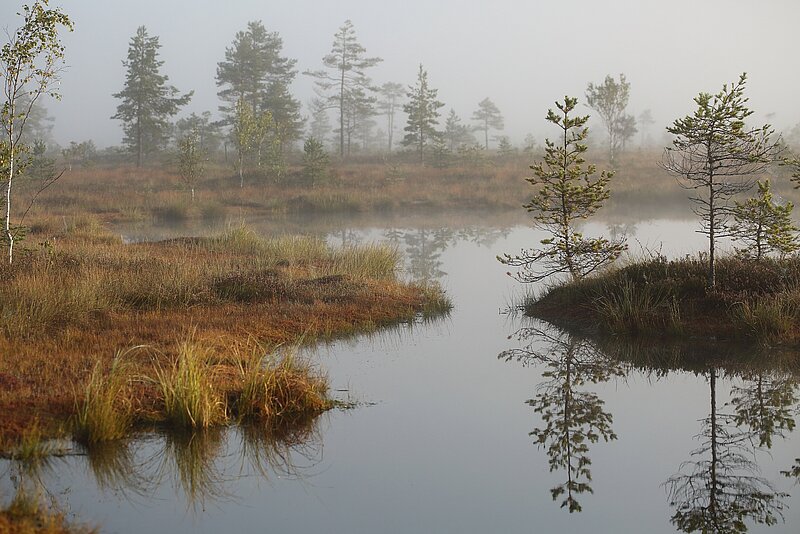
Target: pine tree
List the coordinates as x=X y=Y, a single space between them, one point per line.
x=455 y=133
x=391 y=93
x=344 y=85
x=714 y=155
x=764 y=226
x=254 y=70
x=488 y=117
x=147 y=100
x=566 y=193
x=422 y=109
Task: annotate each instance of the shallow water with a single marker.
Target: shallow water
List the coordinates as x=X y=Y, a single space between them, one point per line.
x=451 y=430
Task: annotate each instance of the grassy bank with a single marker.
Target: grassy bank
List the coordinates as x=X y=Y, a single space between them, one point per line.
x=125 y=193
x=98 y=336
x=757 y=301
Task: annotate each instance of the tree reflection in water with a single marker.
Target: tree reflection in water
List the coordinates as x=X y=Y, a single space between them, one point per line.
x=794 y=472
x=423 y=247
x=720 y=488
x=573 y=418
x=764 y=404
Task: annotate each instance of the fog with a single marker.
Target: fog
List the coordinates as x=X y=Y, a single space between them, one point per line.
x=522 y=54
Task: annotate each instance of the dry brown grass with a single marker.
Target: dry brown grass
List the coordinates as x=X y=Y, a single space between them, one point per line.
x=124 y=193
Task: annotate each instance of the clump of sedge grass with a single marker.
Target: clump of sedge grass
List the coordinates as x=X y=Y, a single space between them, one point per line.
x=437 y=303
x=366 y=261
x=625 y=307
x=187 y=388
x=768 y=318
x=104 y=413
x=280 y=386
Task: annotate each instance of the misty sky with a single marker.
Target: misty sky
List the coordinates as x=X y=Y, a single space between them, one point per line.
x=523 y=54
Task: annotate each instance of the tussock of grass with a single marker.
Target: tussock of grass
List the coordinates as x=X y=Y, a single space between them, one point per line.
x=187 y=388
x=105 y=413
x=770 y=319
x=32 y=447
x=624 y=307
x=437 y=303
x=280 y=387
x=201 y=387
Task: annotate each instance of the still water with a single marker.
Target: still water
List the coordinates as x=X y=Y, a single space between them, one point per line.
x=478 y=422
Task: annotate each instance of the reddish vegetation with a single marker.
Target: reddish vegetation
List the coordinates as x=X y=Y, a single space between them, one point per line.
x=95 y=297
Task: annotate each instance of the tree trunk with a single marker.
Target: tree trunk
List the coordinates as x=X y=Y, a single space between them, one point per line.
x=139 y=148
x=9 y=234
x=391 y=126
x=712 y=274
x=241 y=174
x=341 y=105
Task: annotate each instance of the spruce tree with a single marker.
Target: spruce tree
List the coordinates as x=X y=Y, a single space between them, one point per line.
x=315 y=161
x=422 y=109
x=147 y=101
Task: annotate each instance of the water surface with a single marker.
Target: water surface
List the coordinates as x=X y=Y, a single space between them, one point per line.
x=479 y=422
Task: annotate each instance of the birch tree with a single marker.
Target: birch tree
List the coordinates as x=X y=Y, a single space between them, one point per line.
x=30 y=63
x=610 y=99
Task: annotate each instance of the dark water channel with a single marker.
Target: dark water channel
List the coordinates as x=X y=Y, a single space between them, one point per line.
x=479 y=422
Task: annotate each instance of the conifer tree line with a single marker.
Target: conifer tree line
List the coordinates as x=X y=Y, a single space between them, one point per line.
x=259 y=120
x=350 y=114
